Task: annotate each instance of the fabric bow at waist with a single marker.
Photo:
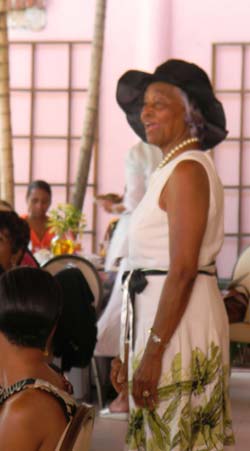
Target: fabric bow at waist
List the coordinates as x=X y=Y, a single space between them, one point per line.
x=138 y=281
x=134 y=282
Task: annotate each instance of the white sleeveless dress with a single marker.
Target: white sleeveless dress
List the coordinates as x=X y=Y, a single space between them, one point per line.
x=194 y=412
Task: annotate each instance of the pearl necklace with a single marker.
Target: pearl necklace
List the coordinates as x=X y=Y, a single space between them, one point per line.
x=172 y=152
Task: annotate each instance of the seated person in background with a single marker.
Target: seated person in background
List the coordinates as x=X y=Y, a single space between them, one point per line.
x=28 y=259
x=14 y=239
x=33 y=401
x=38 y=200
x=5 y=206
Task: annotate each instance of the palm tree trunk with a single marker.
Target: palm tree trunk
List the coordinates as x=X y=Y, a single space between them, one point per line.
x=89 y=126
x=6 y=159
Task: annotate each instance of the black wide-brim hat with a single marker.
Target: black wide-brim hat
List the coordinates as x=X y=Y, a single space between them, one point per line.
x=186 y=76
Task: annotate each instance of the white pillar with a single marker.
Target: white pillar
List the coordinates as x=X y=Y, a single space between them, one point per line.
x=152 y=36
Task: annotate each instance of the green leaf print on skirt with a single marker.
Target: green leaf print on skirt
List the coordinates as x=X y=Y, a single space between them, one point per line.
x=193 y=414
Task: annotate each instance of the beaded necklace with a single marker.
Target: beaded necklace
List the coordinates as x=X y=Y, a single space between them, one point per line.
x=172 y=152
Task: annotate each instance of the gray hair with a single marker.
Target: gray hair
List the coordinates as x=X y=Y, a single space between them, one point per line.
x=193 y=116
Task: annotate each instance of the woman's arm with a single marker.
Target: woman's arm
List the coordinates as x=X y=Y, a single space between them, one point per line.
x=185 y=198
x=111 y=207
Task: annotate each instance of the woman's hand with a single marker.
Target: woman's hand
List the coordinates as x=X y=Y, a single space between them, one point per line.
x=107 y=205
x=119 y=375
x=145 y=381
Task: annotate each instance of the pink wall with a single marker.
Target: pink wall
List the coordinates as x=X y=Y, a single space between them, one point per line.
x=64 y=21
x=133 y=40
x=141 y=34
x=50 y=115
x=144 y=47
x=197 y=24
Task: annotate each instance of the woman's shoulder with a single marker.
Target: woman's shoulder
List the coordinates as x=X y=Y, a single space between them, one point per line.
x=60 y=393
x=30 y=410
x=39 y=390
x=31 y=400
x=192 y=160
x=194 y=155
x=188 y=161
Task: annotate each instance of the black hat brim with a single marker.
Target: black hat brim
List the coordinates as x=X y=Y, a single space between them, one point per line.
x=132 y=85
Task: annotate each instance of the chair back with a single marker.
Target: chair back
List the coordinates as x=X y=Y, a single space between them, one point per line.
x=77 y=436
x=56 y=264
x=241 y=276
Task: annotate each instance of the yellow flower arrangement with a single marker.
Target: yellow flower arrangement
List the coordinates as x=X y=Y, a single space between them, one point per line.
x=66 y=222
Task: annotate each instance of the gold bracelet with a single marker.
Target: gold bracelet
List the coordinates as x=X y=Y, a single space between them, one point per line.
x=156 y=339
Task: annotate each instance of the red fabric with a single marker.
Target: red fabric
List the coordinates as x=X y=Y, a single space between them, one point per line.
x=38 y=244
x=29 y=261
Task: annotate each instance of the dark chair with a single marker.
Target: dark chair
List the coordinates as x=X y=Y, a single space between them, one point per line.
x=55 y=264
x=76 y=333
x=72 y=341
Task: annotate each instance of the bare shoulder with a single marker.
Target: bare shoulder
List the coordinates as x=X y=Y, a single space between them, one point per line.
x=189 y=169
x=189 y=176
x=188 y=183
x=35 y=416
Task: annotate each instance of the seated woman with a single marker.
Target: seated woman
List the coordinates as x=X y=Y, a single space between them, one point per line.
x=17 y=227
x=14 y=239
x=38 y=200
x=33 y=401
x=75 y=347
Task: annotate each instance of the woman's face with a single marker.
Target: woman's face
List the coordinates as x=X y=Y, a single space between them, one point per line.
x=38 y=203
x=163 y=115
x=6 y=256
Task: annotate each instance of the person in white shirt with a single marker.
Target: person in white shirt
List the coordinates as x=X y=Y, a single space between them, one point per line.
x=141 y=160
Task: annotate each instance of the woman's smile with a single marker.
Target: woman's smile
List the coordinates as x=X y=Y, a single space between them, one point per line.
x=151 y=126
x=163 y=114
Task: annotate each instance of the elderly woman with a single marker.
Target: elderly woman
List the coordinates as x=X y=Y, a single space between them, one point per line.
x=173 y=316
x=34 y=402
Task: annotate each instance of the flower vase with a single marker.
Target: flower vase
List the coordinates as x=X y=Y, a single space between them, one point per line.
x=63 y=244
